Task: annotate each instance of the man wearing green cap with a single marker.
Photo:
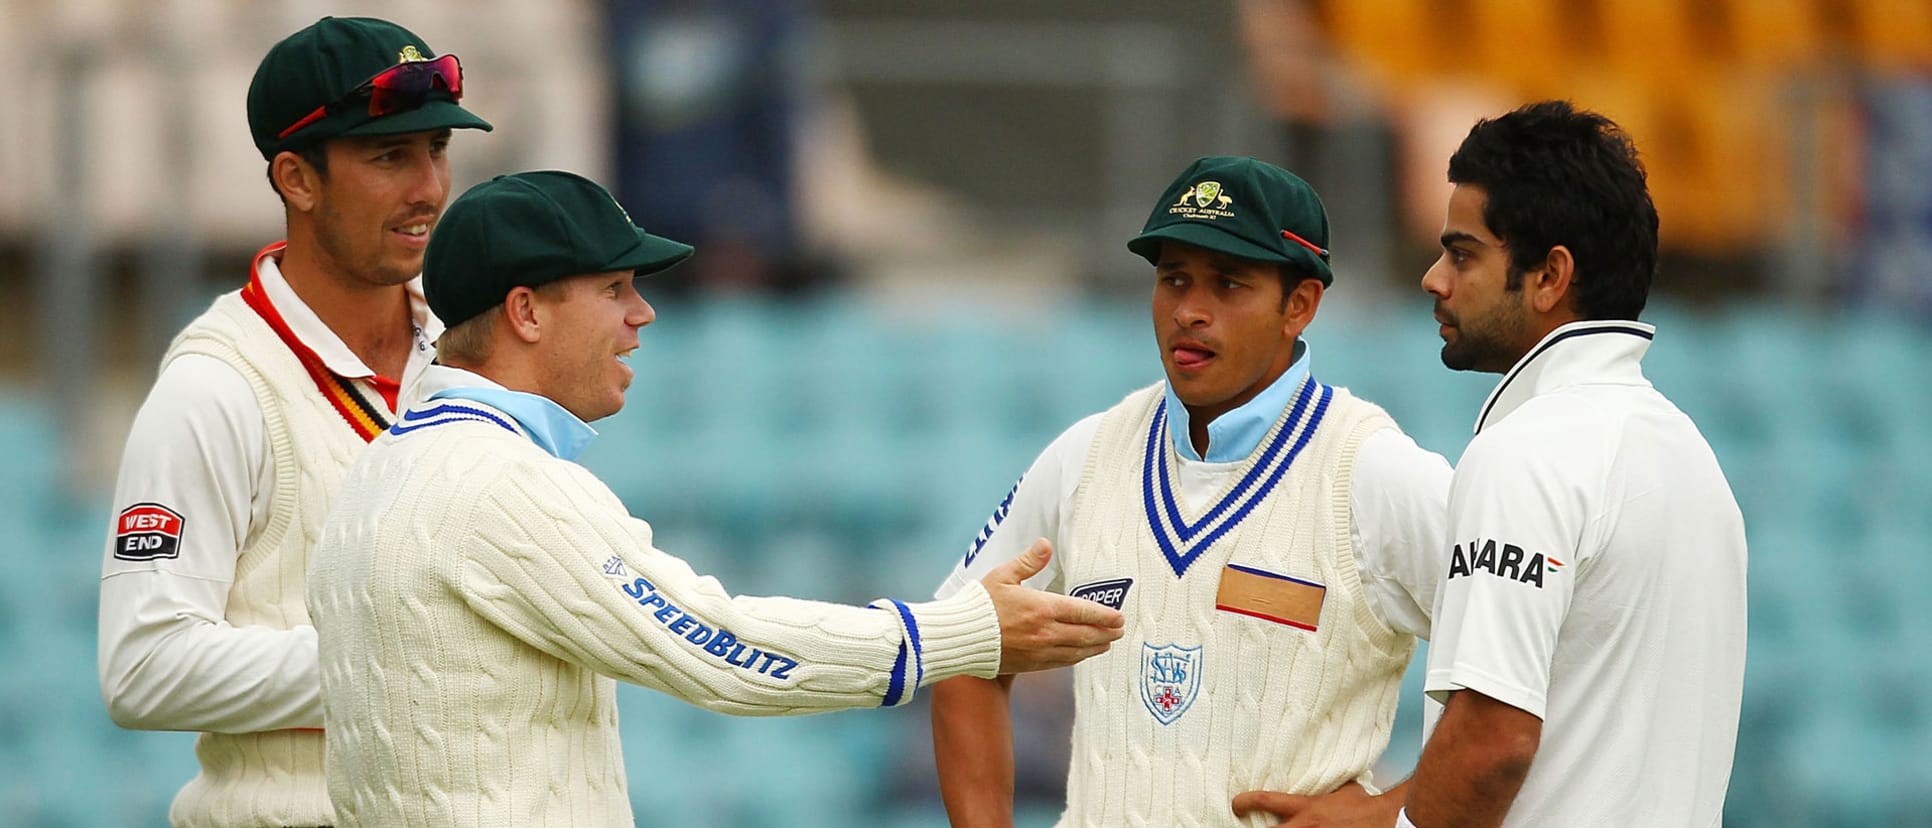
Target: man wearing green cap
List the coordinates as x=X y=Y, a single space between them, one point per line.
x=1270 y=539
x=260 y=406
x=477 y=593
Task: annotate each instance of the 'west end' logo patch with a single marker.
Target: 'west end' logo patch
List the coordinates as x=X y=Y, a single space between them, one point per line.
x=1109 y=594
x=1511 y=563
x=147 y=532
x=1170 y=679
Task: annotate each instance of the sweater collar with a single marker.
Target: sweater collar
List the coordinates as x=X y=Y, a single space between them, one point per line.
x=1579 y=353
x=552 y=427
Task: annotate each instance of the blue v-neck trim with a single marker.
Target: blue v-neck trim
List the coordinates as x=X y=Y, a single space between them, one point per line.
x=1182 y=543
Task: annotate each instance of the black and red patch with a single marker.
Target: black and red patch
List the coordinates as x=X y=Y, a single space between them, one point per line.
x=147 y=532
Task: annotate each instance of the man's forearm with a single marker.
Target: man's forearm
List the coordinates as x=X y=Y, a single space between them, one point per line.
x=1474 y=764
x=972 y=735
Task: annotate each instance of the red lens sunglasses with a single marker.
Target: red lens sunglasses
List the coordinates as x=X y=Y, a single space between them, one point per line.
x=398 y=88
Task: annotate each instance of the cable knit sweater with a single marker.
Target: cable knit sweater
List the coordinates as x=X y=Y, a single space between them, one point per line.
x=475 y=597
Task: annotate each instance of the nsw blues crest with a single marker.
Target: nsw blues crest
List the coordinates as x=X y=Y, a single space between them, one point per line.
x=1170 y=679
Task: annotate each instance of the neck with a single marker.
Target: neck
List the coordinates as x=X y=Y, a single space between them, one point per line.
x=373 y=320
x=1197 y=433
x=512 y=374
x=1541 y=330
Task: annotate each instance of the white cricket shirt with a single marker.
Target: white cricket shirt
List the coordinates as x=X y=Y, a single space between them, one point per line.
x=198 y=448
x=1596 y=580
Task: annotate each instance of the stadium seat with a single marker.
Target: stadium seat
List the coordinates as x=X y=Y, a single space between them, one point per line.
x=1774 y=36
x=1525 y=44
x=758 y=435
x=1893 y=35
x=1392 y=40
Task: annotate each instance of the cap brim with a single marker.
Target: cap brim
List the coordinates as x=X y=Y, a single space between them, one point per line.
x=650 y=255
x=1200 y=234
x=432 y=115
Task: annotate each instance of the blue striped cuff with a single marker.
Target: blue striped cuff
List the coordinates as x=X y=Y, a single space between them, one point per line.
x=898 y=692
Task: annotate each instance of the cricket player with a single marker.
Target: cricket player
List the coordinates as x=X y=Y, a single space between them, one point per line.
x=1271 y=540
x=1589 y=646
x=476 y=592
x=261 y=404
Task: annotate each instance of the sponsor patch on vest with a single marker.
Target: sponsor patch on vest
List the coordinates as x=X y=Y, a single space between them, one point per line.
x=1110 y=594
x=1507 y=561
x=147 y=532
x=1270 y=596
x=1170 y=679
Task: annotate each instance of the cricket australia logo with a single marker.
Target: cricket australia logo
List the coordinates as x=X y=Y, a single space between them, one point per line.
x=409 y=54
x=1205 y=200
x=1170 y=679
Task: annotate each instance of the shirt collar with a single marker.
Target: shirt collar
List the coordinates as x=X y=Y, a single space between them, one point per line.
x=552 y=427
x=1608 y=352
x=1236 y=434
x=310 y=330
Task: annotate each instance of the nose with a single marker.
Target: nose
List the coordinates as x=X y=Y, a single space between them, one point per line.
x=640 y=314
x=430 y=184
x=1192 y=311
x=1435 y=280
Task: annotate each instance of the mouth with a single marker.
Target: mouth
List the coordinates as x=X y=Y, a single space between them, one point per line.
x=415 y=234
x=1189 y=355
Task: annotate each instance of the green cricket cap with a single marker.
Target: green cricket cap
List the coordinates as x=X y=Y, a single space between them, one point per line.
x=527 y=230
x=1241 y=207
x=326 y=62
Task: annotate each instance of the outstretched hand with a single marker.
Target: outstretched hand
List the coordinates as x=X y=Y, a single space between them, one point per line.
x=1041 y=630
x=1350 y=806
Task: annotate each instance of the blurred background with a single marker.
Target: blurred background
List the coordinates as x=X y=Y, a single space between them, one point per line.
x=910 y=217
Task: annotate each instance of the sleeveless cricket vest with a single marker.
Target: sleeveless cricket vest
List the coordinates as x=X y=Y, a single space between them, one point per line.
x=1252 y=659
x=248 y=780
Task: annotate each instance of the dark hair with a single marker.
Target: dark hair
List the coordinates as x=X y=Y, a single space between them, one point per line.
x=1293 y=274
x=316 y=154
x=1556 y=175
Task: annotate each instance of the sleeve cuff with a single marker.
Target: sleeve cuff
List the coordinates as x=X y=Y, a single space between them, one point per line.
x=1438 y=684
x=955 y=636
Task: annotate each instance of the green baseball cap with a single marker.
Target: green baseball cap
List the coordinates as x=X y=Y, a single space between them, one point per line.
x=1241 y=207
x=328 y=61
x=527 y=230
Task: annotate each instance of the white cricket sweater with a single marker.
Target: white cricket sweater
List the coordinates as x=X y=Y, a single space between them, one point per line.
x=273 y=778
x=475 y=597
x=1199 y=702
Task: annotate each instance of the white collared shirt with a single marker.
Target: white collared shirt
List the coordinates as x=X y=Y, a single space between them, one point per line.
x=1596 y=581
x=199 y=447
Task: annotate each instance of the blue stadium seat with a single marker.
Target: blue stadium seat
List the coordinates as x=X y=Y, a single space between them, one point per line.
x=843 y=450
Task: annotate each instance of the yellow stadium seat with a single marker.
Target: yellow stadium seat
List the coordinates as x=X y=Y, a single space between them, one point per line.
x=1651 y=41
x=1775 y=35
x=1893 y=34
x=1522 y=44
x=1391 y=40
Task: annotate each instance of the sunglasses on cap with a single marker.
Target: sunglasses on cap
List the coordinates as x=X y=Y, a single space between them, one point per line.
x=399 y=88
